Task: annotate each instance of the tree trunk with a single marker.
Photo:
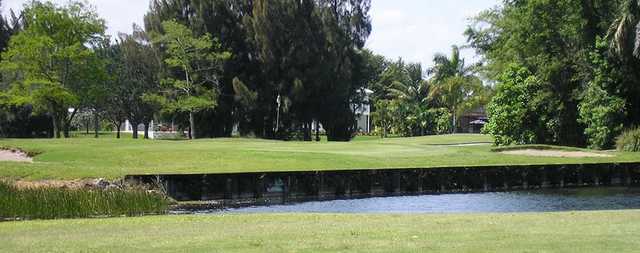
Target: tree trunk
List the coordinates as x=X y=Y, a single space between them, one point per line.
x=384 y=131
x=134 y=127
x=306 y=127
x=66 y=131
x=118 y=130
x=96 y=122
x=146 y=130
x=192 y=126
x=66 y=123
x=454 y=124
x=454 y=120
x=87 y=125
x=56 y=127
x=317 y=130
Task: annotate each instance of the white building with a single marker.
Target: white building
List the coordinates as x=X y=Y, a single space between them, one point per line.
x=363 y=112
x=127 y=127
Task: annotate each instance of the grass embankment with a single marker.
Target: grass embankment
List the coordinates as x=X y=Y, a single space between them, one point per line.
x=614 y=231
x=52 y=203
x=113 y=158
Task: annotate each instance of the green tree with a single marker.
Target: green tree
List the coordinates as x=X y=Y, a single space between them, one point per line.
x=392 y=77
x=624 y=39
x=307 y=52
x=449 y=66
x=454 y=85
x=458 y=94
x=140 y=75
x=383 y=117
x=409 y=85
x=411 y=94
x=196 y=58
x=513 y=112
x=602 y=111
x=9 y=112
x=228 y=19
x=51 y=58
x=119 y=97
x=247 y=100
x=624 y=44
x=553 y=40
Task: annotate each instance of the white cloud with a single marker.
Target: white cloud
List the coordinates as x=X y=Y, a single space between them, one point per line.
x=418 y=29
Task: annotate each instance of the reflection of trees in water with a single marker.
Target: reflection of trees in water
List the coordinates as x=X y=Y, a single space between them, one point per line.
x=277 y=185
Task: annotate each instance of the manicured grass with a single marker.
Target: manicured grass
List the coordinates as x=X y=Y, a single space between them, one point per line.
x=610 y=231
x=51 y=203
x=113 y=158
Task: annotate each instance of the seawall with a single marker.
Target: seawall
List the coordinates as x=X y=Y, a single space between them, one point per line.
x=234 y=189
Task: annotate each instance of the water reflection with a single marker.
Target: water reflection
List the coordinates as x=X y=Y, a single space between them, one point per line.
x=524 y=201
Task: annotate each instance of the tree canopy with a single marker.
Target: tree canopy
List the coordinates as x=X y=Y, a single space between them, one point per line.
x=557 y=42
x=50 y=63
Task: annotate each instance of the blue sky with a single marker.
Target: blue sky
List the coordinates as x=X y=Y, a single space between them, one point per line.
x=412 y=29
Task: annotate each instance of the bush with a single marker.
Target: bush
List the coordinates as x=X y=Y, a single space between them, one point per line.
x=629 y=140
x=601 y=110
x=443 y=124
x=603 y=115
x=53 y=203
x=513 y=110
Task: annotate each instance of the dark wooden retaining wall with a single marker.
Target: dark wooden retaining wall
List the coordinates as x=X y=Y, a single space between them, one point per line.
x=283 y=187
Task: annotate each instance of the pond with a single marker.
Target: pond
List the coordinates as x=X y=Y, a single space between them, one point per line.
x=614 y=198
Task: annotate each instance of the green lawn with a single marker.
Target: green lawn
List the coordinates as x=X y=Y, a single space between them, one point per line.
x=112 y=158
x=610 y=231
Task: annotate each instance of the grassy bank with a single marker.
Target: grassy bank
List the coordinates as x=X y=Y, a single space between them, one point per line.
x=614 y=231
x=112 y=158
x=51 y=203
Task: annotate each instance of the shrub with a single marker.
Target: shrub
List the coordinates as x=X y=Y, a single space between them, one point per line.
x=629 y=140
x=442 y=121
x=53 y=203
x=603 y=115
x=601 y=110
x=513 y=111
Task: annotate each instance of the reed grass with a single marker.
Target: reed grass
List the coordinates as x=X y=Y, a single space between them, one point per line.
x=629 y=140
x=55 y=203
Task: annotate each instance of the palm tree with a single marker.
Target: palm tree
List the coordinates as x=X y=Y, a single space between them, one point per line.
x=413 y=88
x=445 y=67
x=454 y=85
x=624 y=33
x=459 y=94
x=624 y=43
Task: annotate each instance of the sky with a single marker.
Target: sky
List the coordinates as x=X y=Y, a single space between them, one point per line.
x=414 y=30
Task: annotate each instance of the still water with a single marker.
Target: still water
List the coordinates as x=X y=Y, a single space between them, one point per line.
x=522 y=201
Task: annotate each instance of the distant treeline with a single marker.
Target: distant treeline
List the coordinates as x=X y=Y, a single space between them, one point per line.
x=565 y=72
x=269 y=67
x=265 y=68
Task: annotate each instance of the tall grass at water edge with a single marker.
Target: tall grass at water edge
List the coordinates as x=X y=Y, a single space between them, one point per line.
x=54 y=203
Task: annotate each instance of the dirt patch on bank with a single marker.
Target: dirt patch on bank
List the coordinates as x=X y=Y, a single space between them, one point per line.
x=554 y=153
x=13 y=155
x=99 y=183
x=68 y=184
